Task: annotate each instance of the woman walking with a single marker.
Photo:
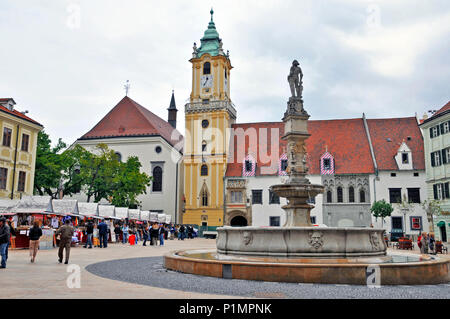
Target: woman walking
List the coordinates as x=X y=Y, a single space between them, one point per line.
x=424 y=246
x=34 y=234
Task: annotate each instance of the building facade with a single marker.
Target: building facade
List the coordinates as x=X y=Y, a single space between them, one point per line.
x=17 y=151
x=208 y=117
x=436 y=133
x=132 y=130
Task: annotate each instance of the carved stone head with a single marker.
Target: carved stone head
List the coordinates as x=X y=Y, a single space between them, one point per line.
x=374 y=240
x=247 y=238
x=316 y=239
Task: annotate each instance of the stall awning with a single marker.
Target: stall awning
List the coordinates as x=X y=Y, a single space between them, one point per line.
x=441 y=224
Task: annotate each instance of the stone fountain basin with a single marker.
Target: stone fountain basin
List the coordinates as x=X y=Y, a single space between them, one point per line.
x=321 y=242
x=297 y=190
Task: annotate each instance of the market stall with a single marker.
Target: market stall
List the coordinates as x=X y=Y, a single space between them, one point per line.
x=162 y=218
x=107 y=212
x=69 y=207
x=168 y=219
x=145 y=215
x=28 y=210
x=153 y=217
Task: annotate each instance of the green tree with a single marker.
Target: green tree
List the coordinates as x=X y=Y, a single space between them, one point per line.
x=432 y=207
x=48 y=167
x=381 y=209
x=129 y=183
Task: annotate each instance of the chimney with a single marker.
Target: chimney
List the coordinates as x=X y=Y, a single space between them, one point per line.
x=172 y=111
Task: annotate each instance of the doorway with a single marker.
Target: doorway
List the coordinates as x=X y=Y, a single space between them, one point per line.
x=443 y=233
x=238 y=221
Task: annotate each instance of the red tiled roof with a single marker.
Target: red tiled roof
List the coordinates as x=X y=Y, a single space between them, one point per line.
x=17 y=113
x=345 y=139
x=397 y=130
x=442 y=109
x=130 y=119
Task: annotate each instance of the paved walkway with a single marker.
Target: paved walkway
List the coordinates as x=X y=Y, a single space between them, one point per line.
x=48 y=279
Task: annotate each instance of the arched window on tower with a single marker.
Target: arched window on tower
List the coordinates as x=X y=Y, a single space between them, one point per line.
x=340 y=197
x=157 y=179
x=204 y=146
x=204 y=196
x=207 y=68
x=351 y=194
x=204 y=170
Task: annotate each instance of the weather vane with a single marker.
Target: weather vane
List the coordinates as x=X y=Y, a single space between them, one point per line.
x=127 y=87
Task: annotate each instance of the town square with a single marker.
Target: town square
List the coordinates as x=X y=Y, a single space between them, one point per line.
x=198 y=151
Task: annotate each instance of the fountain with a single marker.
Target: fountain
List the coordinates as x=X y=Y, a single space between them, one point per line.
x=298 y=251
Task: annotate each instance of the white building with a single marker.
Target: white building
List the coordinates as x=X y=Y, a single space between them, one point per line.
x=132 y=130
x=358 y=161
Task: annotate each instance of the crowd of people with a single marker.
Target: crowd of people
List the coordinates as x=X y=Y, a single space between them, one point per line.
x=101 y=233
x=427 y=243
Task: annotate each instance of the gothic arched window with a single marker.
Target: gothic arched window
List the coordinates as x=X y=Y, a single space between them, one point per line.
x=157 y=179
x=207 y=68
x=329 y=197
x=340 y=195
x=351 y=194
x=204 y=196
x=204 y=170
x=362 y=196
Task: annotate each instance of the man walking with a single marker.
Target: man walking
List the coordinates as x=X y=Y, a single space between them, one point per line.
x=90 y=234
x=103 y=234
x=4 y=241
x=66 y=232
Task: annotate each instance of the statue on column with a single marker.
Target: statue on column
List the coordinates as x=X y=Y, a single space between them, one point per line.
x=295 y=80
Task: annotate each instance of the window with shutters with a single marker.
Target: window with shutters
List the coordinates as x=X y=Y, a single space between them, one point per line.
x=434 y=131
x=414 y=195
x=445 y=127
x=436 y=158
x=446 y=155
x=441 y=191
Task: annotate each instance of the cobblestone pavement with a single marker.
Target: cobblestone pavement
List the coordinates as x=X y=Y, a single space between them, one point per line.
x=123 y=271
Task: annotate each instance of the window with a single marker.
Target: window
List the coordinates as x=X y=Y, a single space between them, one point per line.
x=157 y=179
x=329 y=197
x=414 y=195
x=25 y=141
x=158 y=149
x=204 y=197
x=274 y=221
x=236 y=197
x=362 y=196
x=118 y=156
x=3 y=177
x=204 y=170
x=313 y=220
x=340 y=195
x=393 y=174
x=351 y=194
x=436 y=158
x=204 y=146
x=444 y=127
x=326 y=164
x=21 y=185
x=395 y=195
x=416 y=174
x=248 y=166
x=7 y=132
x=205 y=123
x=445 y=155
x=441 y=191
x=434 y=131
x=405 y=158
x=257 y=197
x=273 y=198
x=397 y=223
x=284 y=165
x=207 y=68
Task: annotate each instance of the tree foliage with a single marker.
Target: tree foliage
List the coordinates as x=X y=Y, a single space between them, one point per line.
x=381 y=209
x=99 y=174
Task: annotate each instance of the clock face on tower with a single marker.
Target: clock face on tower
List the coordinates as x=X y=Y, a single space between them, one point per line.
x=206 y=81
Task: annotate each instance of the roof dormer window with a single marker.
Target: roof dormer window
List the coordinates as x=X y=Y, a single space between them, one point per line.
x=405 y=158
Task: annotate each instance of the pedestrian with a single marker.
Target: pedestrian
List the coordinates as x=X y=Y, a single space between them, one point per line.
x=182 y=230
x=161 y=235
x=66 y=233
x=432 y=243
x=125 y=233
x=35 y=234
x=89 y=234
x=4 y=240
x=145 y=234
x=154 y=234
x=424 y=242
x=117 y=232
x=103 y=234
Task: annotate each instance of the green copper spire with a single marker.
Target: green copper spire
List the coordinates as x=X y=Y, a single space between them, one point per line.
x=210 y=43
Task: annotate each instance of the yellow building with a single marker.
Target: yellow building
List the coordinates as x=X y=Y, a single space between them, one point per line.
x=209 y=115
x=17 y=151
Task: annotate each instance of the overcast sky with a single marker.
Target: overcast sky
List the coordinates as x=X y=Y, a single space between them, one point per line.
x=66 y=61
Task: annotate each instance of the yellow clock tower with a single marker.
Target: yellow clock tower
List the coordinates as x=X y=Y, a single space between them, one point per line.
x=208 y=117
